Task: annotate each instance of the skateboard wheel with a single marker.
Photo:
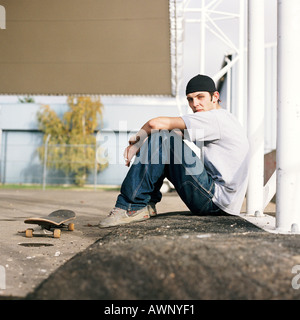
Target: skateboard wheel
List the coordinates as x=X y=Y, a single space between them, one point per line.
x=56 y=233
x=71 y=226
x=29 y=233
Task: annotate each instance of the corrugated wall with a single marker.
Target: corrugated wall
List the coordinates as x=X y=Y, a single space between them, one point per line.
x=85 y=47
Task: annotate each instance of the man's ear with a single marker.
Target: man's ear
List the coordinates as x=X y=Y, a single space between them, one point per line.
x=216 y=96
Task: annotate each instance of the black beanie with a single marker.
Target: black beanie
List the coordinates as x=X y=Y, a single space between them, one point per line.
x=200 y=83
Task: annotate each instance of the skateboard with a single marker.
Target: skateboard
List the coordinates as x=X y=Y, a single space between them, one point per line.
x=53 y=223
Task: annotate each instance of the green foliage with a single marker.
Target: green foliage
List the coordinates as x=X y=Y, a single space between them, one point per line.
x=72 y=144
x=26 y=99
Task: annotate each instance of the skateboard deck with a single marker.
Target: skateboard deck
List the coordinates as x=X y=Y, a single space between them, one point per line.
x=54 y=222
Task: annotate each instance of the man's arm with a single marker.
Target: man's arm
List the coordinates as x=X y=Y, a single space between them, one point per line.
x=160 y=123
x=166 y=123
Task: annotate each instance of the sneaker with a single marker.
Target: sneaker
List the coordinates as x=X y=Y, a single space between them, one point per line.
x=120 y=216
x=152 y=209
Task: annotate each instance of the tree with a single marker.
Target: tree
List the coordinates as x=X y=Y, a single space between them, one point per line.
x=72 y=145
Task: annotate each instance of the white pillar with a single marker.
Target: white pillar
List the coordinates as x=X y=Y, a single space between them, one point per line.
x=203 y=40
x=256 y=105
x=288 y=117
x=241 y=76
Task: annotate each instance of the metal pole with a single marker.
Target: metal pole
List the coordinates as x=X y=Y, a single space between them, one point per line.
x=202 y=43
x=256 y=105
x=45 y=161
x=0 y=147
x=0 y=152
x=228 y=94
x=5 y=157
x=288 y=118
x=241 y=76
x=179 y=9
x=96 y=162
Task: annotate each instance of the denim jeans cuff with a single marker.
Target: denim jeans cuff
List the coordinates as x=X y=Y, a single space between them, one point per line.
x=130 y=207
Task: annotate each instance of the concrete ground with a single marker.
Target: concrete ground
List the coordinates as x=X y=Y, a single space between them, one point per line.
x=28 y=261
x=172 y=256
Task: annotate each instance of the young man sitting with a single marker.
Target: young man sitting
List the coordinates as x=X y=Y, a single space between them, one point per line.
x=211 y=184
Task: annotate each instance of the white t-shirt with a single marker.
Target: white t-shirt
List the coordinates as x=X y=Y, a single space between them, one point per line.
x=225 y=153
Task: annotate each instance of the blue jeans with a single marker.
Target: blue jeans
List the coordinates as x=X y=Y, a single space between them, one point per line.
x=167 y=156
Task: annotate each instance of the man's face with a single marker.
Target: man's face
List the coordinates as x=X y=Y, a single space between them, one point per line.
x=202 y=101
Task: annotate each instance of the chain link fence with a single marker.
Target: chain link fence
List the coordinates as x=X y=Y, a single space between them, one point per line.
x=69 y=164
x=49 y=164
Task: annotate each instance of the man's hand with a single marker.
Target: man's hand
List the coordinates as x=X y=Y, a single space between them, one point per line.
x=129 y=153
x=132 y=149
x=133 y=140
x=156 y=124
